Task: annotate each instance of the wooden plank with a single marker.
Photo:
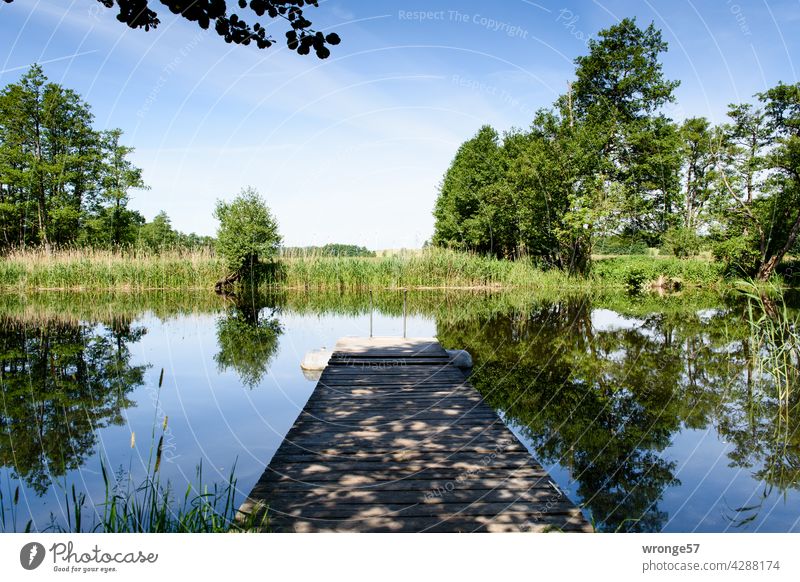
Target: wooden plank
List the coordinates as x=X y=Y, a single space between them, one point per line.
x=498 y=523
x=394 y=438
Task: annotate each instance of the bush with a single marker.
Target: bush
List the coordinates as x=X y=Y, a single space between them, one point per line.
x=248 y=233
x=634 y=272
x=681 y=242
x=620 y=245
x=738 y=254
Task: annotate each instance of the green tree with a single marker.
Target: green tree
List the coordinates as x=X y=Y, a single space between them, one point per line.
x=700 y=144
x=158 y=234
x=782 y=108
x=60 y=180
x=759 y=201
x=603 y=162
x=247 y=235
x=619 y=90
x=118 y=175
x=464 y=215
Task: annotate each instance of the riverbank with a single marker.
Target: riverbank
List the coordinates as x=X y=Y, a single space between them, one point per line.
x=432 y=268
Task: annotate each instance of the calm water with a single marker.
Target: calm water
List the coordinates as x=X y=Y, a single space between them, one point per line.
x=647 y=411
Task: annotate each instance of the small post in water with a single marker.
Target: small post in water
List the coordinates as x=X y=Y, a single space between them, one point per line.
x=405 y=295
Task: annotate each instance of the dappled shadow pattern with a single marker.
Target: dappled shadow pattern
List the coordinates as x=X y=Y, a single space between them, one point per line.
x=395 y=439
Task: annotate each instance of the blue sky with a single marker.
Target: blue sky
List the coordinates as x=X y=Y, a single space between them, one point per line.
x=352 y=149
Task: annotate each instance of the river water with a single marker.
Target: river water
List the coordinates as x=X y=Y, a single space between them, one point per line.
x=652 y=413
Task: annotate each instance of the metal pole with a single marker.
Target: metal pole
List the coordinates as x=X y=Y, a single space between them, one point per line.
x=405 y=294
x=370 y=313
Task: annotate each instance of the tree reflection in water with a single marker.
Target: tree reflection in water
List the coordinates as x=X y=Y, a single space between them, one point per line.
x=247 y=336
x=605 y=401
x=61 y=382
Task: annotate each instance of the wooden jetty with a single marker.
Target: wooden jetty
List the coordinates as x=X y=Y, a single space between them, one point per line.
x=395 y=439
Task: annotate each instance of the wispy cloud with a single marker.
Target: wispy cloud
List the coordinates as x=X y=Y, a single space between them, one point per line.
x=48 y=61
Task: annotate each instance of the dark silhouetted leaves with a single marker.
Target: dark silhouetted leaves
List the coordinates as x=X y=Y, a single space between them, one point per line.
x=231 y=27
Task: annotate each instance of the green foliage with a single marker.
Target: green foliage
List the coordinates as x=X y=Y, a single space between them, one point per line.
x=621 y=78
x=158 y=234
x=700 y=148
x=463 y=218
x=635 y=271
x=601 y=163
x=328 y=250
x=247 y=234
x=739 y=254
x=682 y=242
x=605 y=169
x=61 y=181
x=619 y=245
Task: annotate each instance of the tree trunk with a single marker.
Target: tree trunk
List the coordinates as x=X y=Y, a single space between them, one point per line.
x=227 y=281
x=768 y=267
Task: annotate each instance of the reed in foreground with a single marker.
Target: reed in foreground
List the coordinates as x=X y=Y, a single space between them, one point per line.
x=775 y=334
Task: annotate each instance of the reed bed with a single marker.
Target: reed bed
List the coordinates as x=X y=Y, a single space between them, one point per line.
x=86 y=269
x=432 y=268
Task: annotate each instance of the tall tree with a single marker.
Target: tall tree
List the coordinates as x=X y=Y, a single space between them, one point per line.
x=59 y=177
x=699 y=150
x=118 y=176
x=782 y=108
x=619 y=90
x=759 y=204
x=464 y=213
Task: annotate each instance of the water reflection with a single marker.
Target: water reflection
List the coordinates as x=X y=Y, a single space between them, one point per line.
x=61 y=383
x=604 y=396
x=601 y=388
x=247 y=336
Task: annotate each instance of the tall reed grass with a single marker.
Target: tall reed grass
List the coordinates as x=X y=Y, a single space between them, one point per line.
x=24 y=270
x=99 y=269
x=148 y=506
x=775 y=332
x=431 y=268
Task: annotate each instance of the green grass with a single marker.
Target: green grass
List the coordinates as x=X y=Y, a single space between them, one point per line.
x=146 y=507
x=432 y=268
x=149 y=506
x=94 y=269
x=775 y=335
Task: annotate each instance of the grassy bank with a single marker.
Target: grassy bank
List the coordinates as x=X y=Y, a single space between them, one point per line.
x=433 y=268
x=95 y=269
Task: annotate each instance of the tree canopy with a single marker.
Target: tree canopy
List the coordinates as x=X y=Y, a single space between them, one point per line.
x=61 y=180
x=230 y=25
x=606 y=163
x=247 y=234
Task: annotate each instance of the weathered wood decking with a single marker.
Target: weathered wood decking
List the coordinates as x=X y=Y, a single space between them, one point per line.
x=395 y=439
